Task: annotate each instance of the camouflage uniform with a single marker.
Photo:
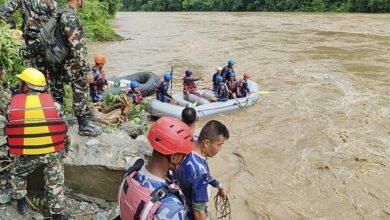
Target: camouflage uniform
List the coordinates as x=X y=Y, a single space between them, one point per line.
x=53 y=171
x=76 y=66
x=34 y=13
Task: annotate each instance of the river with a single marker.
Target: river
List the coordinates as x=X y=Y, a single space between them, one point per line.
x=318 y=145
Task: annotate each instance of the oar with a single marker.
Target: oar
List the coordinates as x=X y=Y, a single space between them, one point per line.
x=264 y=92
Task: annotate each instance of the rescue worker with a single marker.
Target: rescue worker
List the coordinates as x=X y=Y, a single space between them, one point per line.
x=134 y=93
x=162 y=89
x=34 y=14
x=193 y=175
x=189 y=86
x=231 y=84
x=242 y=88
x=42 y=142
x=76 y=69
x=215 y=83
x=222 y=93
x=228 y=70
x=96 y=89
x=150 y=186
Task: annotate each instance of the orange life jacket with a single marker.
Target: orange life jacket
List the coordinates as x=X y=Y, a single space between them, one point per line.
x=188 y=83
x=35 y=126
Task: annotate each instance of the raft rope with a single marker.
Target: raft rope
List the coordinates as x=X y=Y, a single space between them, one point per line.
x=222 y=207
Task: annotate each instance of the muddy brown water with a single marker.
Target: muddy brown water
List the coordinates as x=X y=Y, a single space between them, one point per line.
x=318 y=145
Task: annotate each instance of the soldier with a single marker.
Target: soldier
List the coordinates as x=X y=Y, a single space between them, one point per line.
x=76 y=68
x=34 y=14
x=36 y=136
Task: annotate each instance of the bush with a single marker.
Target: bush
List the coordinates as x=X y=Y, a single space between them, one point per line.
x=10 y=58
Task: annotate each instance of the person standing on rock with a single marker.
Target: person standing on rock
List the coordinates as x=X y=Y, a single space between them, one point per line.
x=34 y=14
x=36 y=136
x=193 y=175
x=147 y=190
x=76 y=69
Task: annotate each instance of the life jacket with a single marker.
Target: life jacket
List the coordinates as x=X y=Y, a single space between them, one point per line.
x=188 y=83
x=137 y=97
x=160 y=87
x=222 y=90
x=34 y=125
x=231 y=85
x=138 y=202
x=99 y=80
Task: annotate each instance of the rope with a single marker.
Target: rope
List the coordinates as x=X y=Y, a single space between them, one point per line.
x=222 y=208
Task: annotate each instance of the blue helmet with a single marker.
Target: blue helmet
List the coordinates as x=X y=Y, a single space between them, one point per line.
x=167 y=76
x=230 y=62
x=219 y=78
x=188 y=72
x=232 y=74
x=134 y=84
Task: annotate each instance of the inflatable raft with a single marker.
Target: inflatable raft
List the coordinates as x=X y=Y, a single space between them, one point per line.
x=202 y=105
x=147 y=80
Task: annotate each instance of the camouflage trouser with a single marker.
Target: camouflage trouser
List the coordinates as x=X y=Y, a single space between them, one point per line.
x=80 y=90
x=53 y=172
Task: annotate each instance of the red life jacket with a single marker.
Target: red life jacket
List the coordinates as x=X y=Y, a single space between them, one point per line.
x=137 y=202
x=188 y=83
x=137 y=97
x=231 y=85
x=99 y=81
x=34 y=125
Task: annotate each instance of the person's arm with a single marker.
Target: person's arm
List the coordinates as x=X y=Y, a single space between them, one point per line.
x=9 y=8
x=76 y=37
x=199 y=214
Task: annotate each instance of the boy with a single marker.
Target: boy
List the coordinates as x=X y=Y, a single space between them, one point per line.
x=193 y=175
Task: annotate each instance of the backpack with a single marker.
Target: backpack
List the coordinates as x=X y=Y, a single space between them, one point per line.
x=54 y=44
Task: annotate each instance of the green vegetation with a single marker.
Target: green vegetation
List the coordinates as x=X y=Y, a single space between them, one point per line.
x=259 y=5
x=95 y=15
x=10 y=58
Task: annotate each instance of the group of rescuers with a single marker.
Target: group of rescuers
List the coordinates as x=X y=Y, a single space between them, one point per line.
x=37 y=134
x=225 y=85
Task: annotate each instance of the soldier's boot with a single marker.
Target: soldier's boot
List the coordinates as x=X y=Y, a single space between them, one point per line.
x=85 y=129
x=89 y=114
x=22 y=206
x=59 y=217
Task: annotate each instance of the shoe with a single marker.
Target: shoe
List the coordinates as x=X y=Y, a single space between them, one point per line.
x=86 y=129
x=22 y=206
x=60 y=217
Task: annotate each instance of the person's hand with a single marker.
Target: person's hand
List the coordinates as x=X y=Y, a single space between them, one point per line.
x=89 y=78
x=223 y=192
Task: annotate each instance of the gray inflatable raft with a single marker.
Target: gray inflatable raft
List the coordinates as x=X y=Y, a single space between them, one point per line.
x=147 y=80
x=204 y=107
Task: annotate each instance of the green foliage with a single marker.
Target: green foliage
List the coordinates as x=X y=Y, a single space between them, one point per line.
x=68 y=100
x=258 y=5
x=10 y=58
x=136 y=116
x=95 y=16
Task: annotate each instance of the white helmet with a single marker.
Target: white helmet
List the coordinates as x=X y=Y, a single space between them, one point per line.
x=219 y=68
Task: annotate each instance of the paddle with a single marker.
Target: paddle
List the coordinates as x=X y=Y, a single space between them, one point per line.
x=264 y=92
x=171 y=79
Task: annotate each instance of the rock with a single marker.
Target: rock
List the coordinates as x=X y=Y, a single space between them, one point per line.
x=101 y=216
x=37 y=216
x=133 y=130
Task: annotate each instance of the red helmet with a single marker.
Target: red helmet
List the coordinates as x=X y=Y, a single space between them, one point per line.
x=246 y=75
x=170 y=135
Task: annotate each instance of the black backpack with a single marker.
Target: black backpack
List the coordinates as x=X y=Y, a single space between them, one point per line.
x=54 y=45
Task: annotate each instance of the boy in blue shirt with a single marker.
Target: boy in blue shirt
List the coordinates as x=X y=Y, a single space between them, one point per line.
x=193 y=175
